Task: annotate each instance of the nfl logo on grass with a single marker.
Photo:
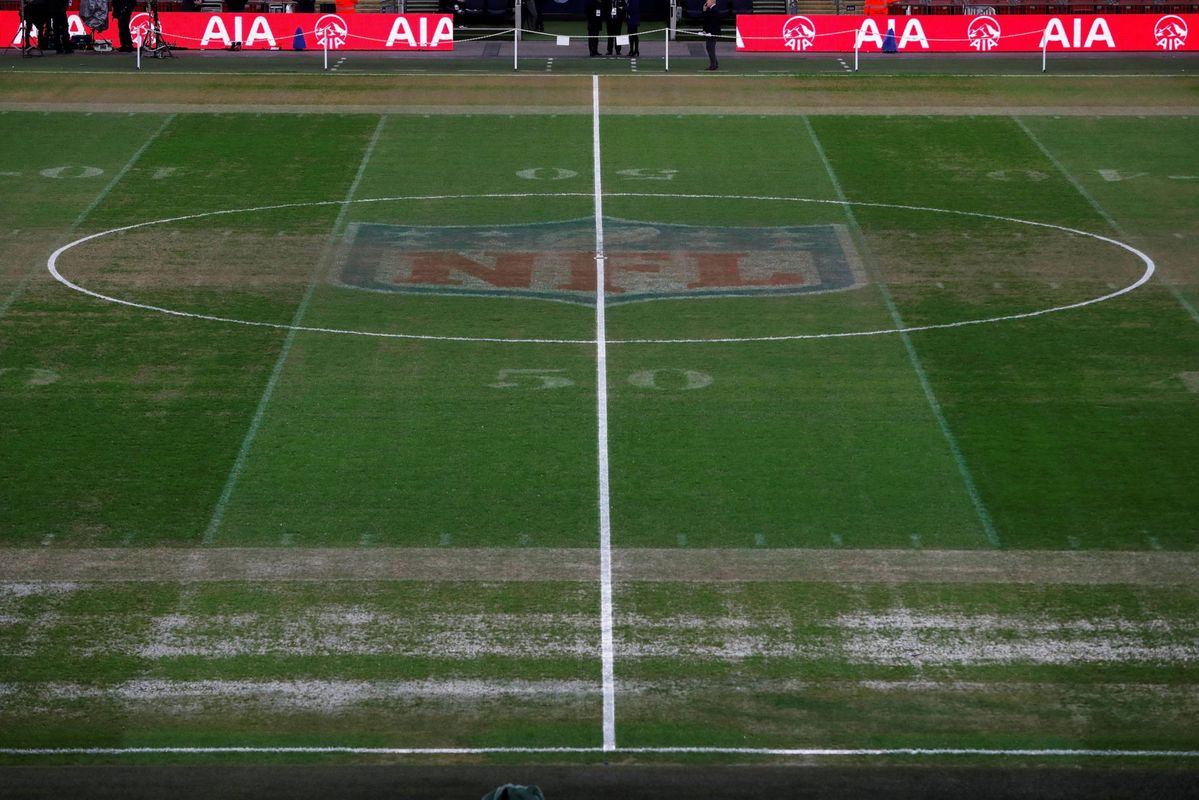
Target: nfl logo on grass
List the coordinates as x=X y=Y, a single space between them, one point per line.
x=556 y=261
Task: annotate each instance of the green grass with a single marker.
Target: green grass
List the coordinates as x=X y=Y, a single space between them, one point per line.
x=124 y=428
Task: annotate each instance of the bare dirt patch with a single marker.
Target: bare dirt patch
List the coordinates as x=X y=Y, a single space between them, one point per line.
x=36 y=565
x=219 y=258
x=632 y=94
x=975 y=255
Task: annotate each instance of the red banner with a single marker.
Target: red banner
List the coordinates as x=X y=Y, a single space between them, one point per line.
x=201 y=31
x=1007 y=33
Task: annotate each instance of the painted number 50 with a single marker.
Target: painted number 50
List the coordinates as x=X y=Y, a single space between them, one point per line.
x=685 y=379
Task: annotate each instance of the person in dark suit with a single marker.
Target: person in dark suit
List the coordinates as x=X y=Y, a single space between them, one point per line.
x=615 y=22
x=594 y=10
x=37 y=18
x=712 y=30
x=632 y=17
x=531 y=16
x=60 y=35
x=122 y=12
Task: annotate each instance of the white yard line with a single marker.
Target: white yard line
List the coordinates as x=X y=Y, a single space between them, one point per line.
x=1101 y=211
x=601 y=396
x=980 y=509
x=28 y=278
x=243 y=454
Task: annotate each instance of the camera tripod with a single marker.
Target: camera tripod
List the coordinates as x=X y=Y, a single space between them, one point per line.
x=153 y=42
x=27 y=49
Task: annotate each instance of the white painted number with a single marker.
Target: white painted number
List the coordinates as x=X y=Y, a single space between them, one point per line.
x=72 y=172
x=546 y=174
x=1114 y=175
x=641 y=174
x=686 y=379
x=657 y=379
x=531 y=379
x=1017 y=174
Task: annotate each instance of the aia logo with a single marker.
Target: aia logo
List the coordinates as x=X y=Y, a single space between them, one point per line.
x=799 y=33
x=984 y=33
x=139 y=27
x=331 y=31
x=1170 y=33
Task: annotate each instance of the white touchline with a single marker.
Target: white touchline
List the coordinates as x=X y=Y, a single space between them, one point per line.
x=239 y=463
x=601 y=413
x=752 y=751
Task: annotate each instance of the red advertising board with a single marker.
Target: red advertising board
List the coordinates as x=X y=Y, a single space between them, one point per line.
x=200 y=31
x=1012 y=33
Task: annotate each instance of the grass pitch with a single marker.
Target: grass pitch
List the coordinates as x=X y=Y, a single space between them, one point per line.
x=130 y=430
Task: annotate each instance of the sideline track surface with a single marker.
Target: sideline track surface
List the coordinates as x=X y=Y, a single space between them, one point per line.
x=687 y=57
x=598 y=782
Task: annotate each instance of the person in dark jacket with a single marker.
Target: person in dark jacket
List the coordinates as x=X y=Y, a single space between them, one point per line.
x=60 y=34
x=594 y=10
x=632 y=17
x=37 y=18
x=615 y=9
x=531 y=16
x=122 y=12
x=712 y=30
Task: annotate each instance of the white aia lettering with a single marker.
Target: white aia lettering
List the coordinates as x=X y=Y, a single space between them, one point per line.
x=913 y=31
x=401 y=33
x=1099 y=33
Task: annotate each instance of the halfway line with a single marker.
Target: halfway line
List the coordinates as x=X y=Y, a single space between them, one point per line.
x=601 y=404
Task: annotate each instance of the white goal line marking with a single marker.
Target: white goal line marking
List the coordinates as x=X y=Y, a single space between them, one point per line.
x=749 y=751
x=1150 y=267
x=607 y=650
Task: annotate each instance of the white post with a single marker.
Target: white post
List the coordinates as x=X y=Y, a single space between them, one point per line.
x=139 y=50
x=325 y=47
x=516 y=37
x=857 y=44
x=1044 y=49
x=666 y=41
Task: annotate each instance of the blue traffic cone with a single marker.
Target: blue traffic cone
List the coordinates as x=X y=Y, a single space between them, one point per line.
x=298 y=43
x=889 y=45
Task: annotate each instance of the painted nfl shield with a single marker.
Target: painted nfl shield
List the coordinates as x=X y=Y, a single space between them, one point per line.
x=556 y=261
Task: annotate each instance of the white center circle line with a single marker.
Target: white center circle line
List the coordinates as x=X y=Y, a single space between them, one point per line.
x=1150 y=267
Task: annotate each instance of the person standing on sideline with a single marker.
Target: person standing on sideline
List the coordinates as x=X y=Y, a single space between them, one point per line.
x=632 y=16
x=594 y=10
x=711 y=30
x=60 y=34
x=122 y=11
x=615 y=23
x=532 y=16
